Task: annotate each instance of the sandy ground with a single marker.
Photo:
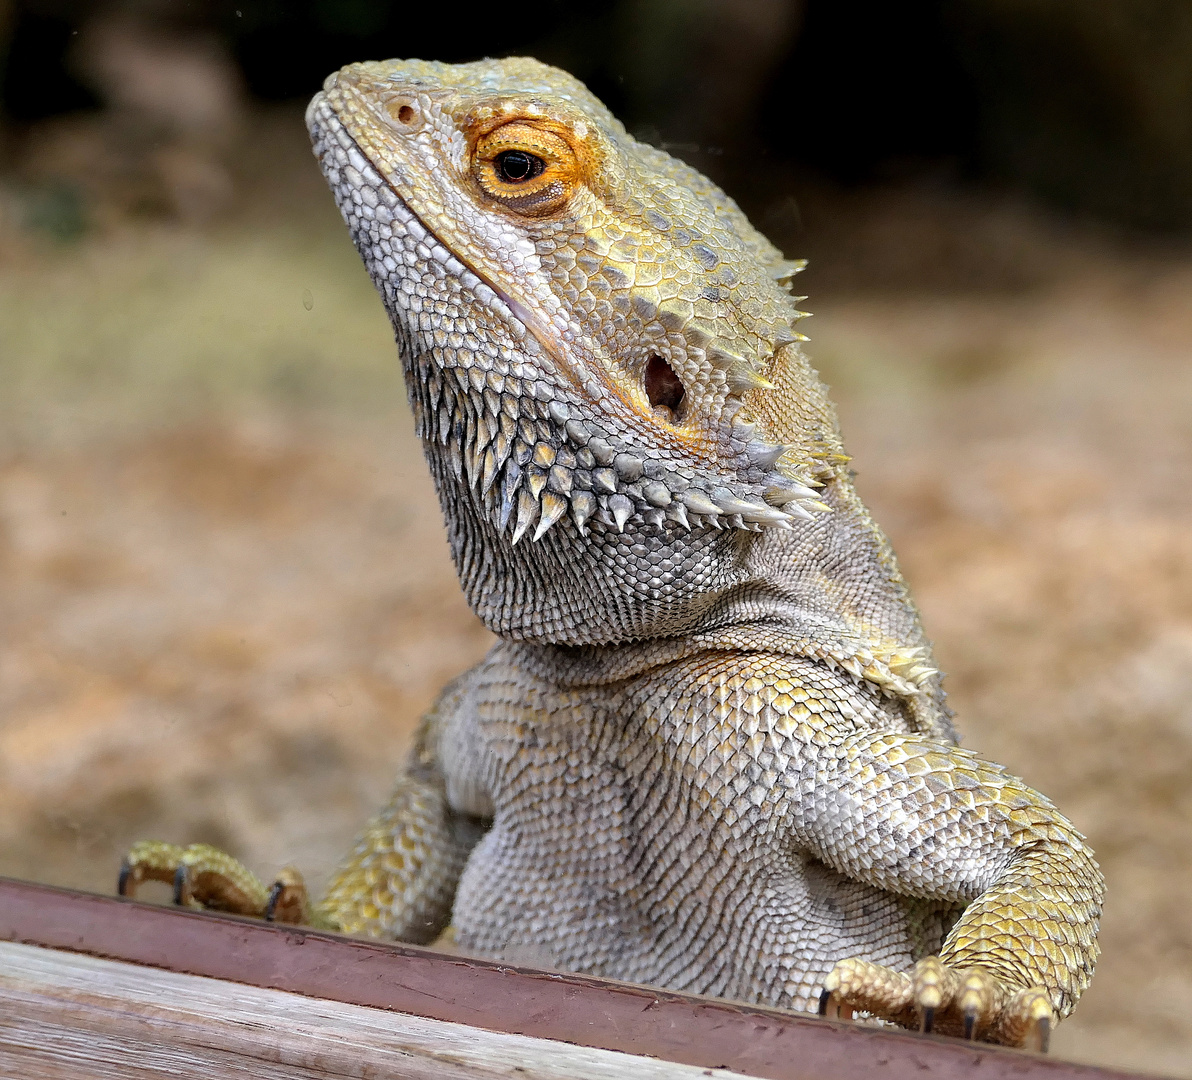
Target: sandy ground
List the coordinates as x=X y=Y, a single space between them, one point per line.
x=225 y=596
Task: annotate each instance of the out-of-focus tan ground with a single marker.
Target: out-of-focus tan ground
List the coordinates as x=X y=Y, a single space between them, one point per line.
x=225 y=595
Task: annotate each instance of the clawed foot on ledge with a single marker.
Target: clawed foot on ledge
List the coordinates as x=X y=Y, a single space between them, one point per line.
x=968 y=1002
x=207 y=879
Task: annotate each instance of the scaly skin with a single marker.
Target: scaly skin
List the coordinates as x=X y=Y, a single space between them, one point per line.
x=711 y=751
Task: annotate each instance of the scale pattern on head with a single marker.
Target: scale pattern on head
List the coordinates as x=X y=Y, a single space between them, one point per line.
x=594 y=336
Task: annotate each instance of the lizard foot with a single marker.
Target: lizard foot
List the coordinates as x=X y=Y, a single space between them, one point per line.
x=933 y=996
x=208 y=879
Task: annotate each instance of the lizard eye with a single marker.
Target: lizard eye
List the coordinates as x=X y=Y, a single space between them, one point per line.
x=529 y=169
x=516 y=166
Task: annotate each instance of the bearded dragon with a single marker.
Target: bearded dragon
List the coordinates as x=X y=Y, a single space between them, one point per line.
x=710 y=751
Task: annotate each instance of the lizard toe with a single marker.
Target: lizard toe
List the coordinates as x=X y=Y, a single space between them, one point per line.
x=978 y=1000
x=856 y=985
x=934 y=988
x=148 y=860
x=1026 y=1020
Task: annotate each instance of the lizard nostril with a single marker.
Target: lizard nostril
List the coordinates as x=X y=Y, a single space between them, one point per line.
x=663 y=387
x=404 y=112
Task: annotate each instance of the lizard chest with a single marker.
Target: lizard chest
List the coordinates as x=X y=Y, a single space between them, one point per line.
x=638 y=832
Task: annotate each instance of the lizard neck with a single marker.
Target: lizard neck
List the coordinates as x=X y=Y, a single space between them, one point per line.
x=832 y=577
x=828 y=590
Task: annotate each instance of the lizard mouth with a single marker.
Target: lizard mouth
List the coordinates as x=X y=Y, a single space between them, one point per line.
x=327 y=127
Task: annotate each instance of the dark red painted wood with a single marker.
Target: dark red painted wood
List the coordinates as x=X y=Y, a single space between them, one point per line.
x=762 y=1042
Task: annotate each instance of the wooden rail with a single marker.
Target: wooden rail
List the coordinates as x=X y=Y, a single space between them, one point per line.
x=110 y=989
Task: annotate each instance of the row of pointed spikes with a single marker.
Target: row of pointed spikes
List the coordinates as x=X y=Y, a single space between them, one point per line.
x=510 y=460
x=740 y=369
x=901 y=671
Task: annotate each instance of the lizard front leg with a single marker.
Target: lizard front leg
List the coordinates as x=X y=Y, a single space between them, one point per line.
x=926 y=819
x=398 y=882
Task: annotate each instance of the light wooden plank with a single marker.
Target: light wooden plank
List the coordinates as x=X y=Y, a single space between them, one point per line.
x=66 y=1016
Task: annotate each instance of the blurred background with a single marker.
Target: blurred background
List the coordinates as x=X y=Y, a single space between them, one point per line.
x=225 y=594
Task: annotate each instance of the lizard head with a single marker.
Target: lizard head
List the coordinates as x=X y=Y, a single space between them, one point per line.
x=599 y=348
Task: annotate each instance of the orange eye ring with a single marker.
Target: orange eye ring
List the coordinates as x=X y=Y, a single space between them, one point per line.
x=532 y=170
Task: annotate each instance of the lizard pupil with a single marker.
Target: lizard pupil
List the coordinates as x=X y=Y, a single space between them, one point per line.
x=516 y=166
x=663 y=387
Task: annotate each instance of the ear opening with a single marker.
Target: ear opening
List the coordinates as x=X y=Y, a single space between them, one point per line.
x=663 y=387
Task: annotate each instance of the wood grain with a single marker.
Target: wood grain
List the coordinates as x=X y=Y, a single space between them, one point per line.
x=65 y=1016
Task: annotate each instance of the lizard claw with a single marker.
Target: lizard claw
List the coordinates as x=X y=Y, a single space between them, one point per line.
x=1029 y=1019
x=207 y=879
x=831 y=1005
x=288 y=900
x=935 y=997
